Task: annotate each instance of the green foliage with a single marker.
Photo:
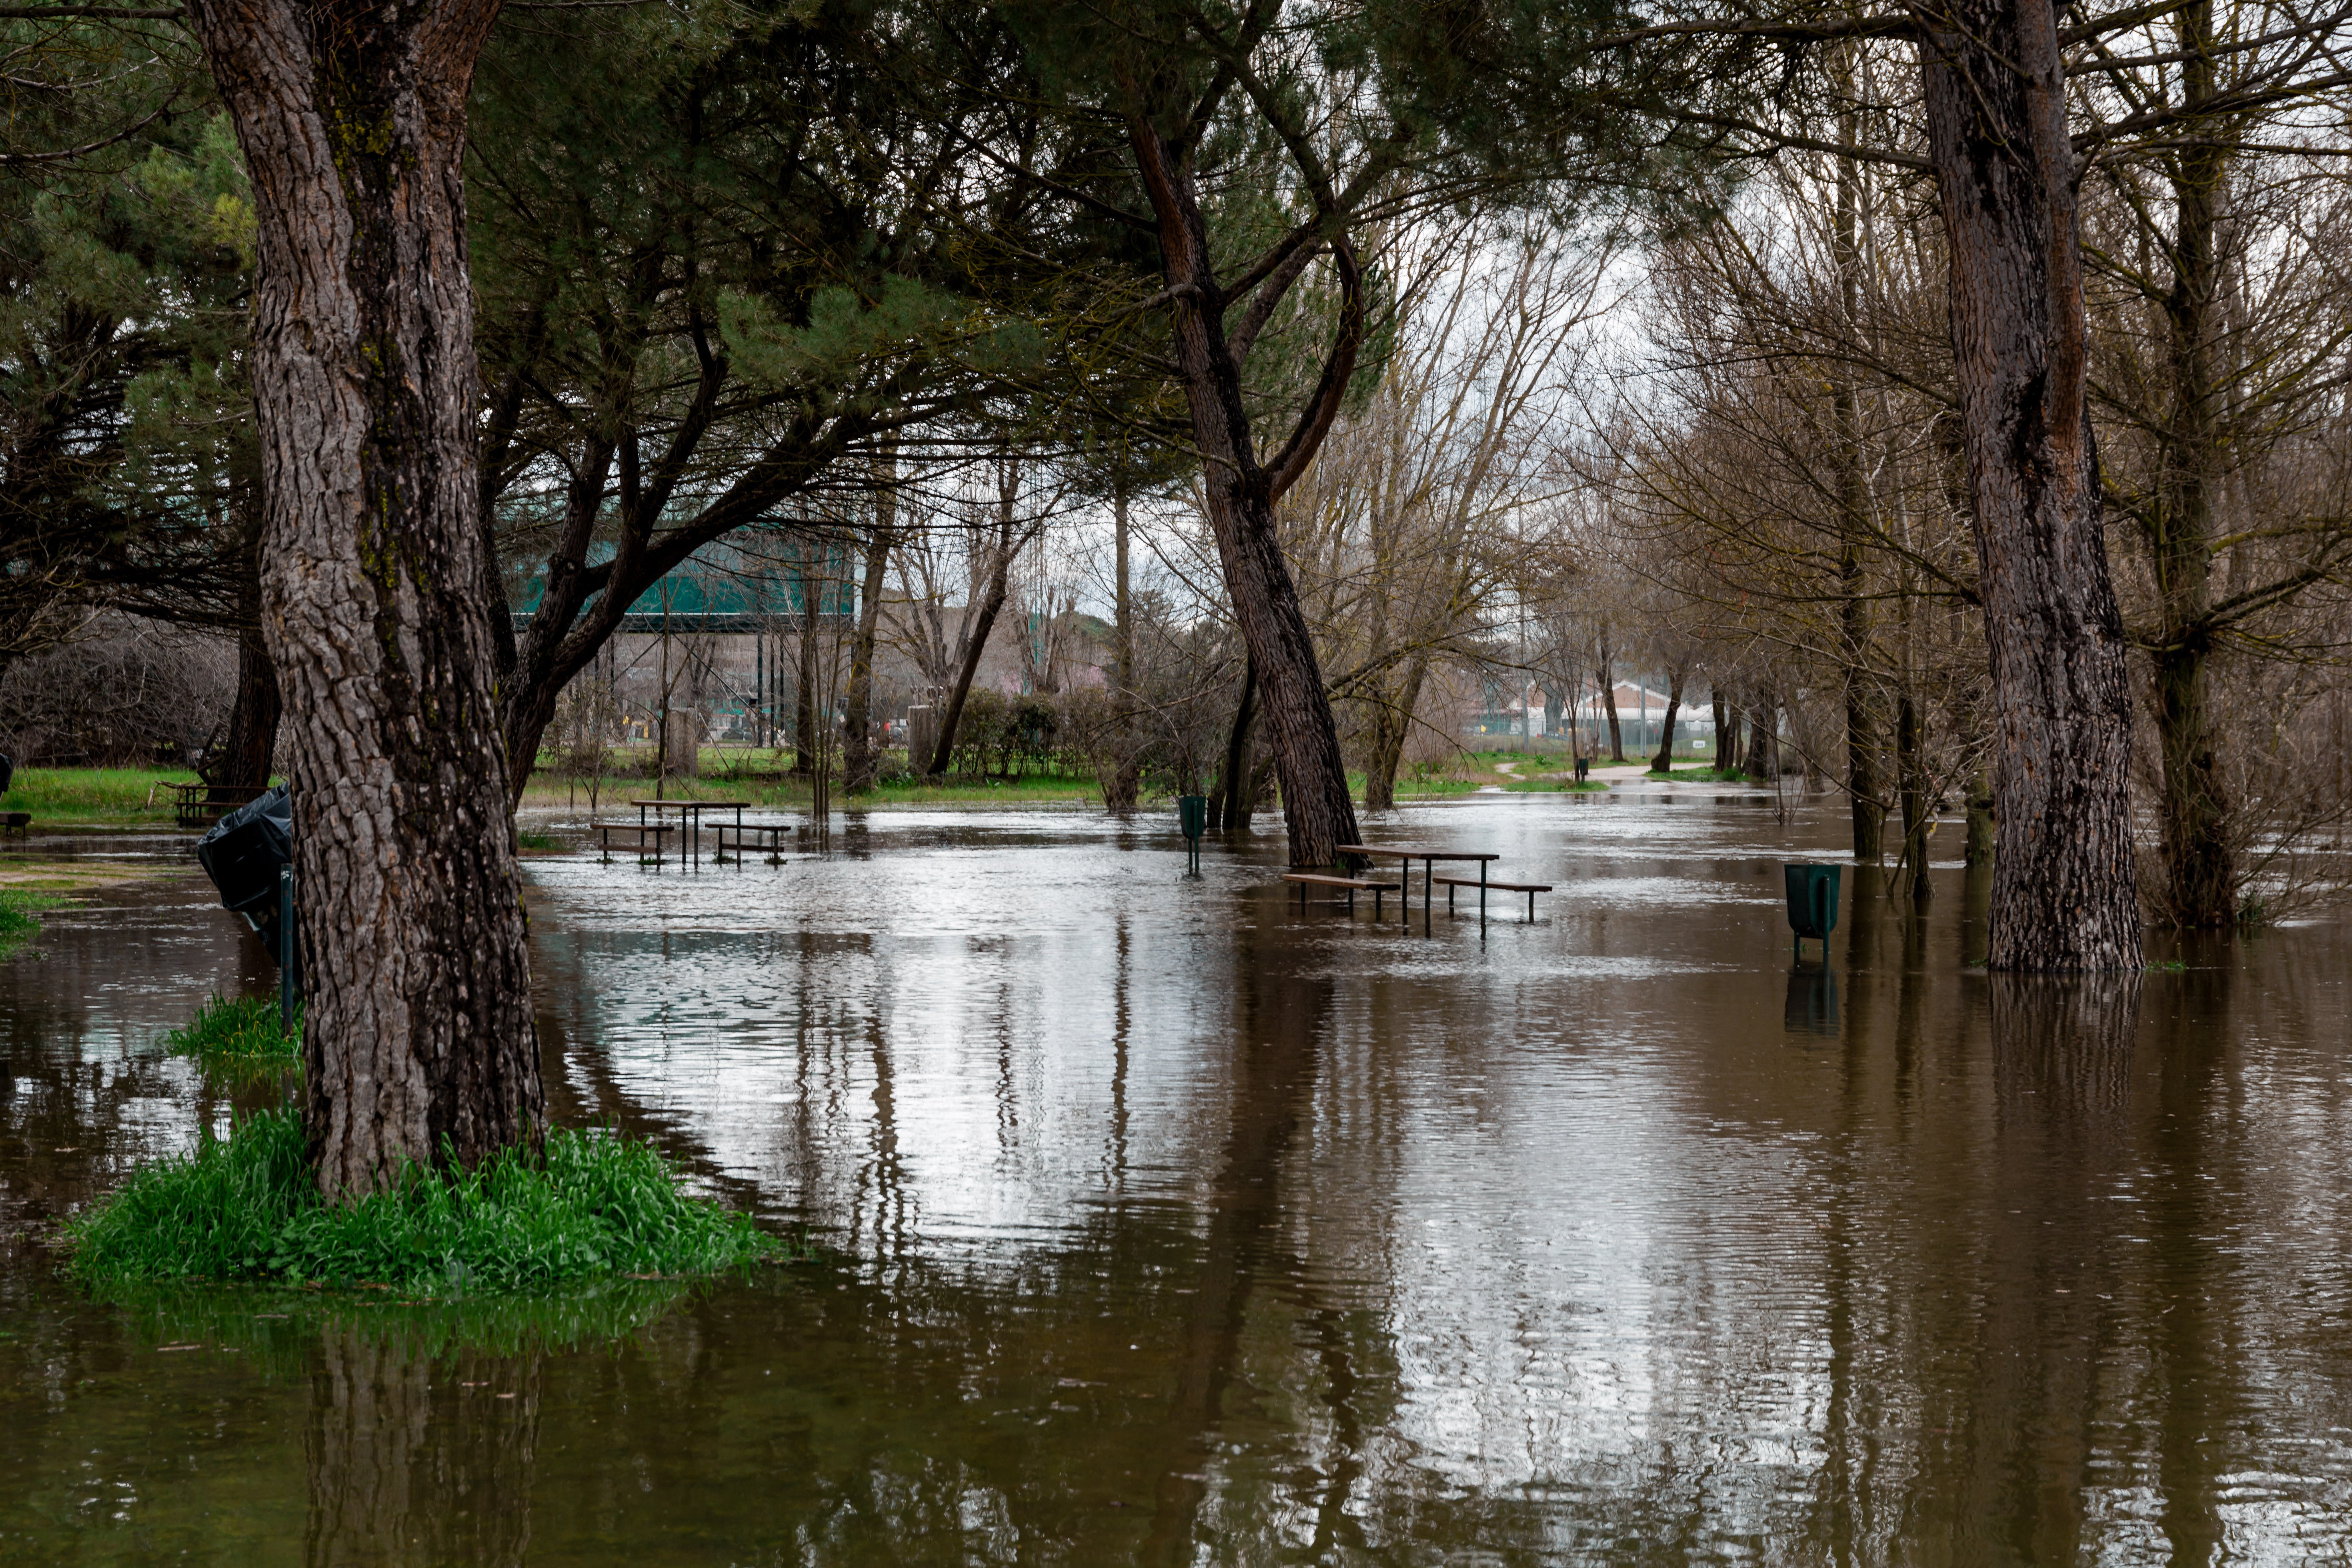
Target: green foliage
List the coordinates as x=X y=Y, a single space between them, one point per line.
x=20 y=918
x=243 y=1207
x=237 y=1036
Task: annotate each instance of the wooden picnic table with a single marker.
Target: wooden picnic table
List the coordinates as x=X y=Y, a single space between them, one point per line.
x=689 y=817
x=1409 y=853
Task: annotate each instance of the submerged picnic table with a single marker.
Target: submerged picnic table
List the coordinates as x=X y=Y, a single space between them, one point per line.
x=1407 y=853
x=689 y=816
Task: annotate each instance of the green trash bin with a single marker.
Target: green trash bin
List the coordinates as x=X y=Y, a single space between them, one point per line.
x=1812 y=901
x=1192 y=816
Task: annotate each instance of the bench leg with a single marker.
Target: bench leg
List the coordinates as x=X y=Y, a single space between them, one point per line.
x=1531 y=908
x=1449 y=897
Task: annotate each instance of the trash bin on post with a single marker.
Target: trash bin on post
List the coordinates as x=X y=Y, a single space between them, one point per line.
x=1192 y=816
x=249 y=856
x=1812 y=902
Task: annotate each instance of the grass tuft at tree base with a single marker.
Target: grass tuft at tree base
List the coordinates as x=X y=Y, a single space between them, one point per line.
x=245 y=1207
x=240 y=1035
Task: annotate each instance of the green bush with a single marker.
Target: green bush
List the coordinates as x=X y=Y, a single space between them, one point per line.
x=243 y=1207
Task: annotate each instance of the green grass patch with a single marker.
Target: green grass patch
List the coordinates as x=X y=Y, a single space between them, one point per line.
x=245 y=1207
x=84 y=797
x=537 y=842
x=1555 y=787
x=20 y=918
x=239 y=1036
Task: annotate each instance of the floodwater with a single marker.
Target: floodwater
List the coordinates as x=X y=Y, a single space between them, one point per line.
x=1151 y=1221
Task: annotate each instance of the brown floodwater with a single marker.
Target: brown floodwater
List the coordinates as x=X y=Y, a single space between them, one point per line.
x=1150 y=1221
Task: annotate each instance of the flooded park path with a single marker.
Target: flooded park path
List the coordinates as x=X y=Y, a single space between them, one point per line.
x=1151 y=1221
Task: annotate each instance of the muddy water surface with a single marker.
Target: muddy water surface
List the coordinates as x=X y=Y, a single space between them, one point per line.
x=1155 y=1222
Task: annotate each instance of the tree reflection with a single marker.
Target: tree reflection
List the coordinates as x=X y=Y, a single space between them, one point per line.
x=419 y=1460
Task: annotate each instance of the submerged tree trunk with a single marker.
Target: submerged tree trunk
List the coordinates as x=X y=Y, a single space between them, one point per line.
x=1239 y=492
x=1126 y=781
x=861 y=758
x=1664 y=762
x=1230 y=808
x=1763 y=748
x=376 y=594
x=1605 y=674
x=1918 y=824
x=2065 y=894
x=806 y=725
x=2200 y=861
x=1868 y=807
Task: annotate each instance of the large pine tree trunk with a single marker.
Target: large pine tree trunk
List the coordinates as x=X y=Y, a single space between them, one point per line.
x=376 y=595
x=2065 y=894
x=1239 y=494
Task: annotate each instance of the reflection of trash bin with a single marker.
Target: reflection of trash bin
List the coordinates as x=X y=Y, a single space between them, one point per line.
x=1812 y=1004
x=1192 y=816
x=1812 y=902
x=243 y=854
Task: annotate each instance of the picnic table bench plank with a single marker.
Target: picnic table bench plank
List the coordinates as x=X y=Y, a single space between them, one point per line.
x=1351 y=886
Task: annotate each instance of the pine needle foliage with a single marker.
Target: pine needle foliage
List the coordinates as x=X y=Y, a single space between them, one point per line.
x=245 y=1207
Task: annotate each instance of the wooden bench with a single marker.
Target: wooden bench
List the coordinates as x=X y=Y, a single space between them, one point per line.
x=1529 y=888
x=1351 y=886
x=745 y=833
x=641 y=830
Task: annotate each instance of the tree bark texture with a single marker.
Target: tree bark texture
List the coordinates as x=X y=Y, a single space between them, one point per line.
x=1727 y=740
x=375 y=591
x=1240 y=492
x=2064 y=890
